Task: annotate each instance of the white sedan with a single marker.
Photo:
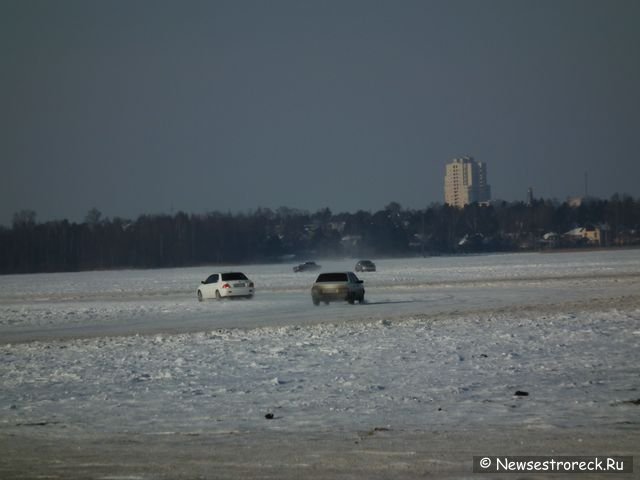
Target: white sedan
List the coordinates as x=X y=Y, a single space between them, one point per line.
x=227 y=284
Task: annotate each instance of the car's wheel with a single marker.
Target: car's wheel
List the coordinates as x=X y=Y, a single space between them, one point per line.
x=250 y=296
x=218 y=296
x=315 y=300
x=361 y=299
x=199 y=296
x=351 y=299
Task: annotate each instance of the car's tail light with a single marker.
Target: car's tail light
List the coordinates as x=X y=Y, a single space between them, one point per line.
x=251 y=284
x=226 y=285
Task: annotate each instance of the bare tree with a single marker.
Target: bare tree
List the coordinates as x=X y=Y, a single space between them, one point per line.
x=24 y=219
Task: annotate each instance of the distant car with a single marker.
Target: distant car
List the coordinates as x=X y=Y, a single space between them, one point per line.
x=337 y=286
x=225 y=284
x=306 y=267
x=365 y=266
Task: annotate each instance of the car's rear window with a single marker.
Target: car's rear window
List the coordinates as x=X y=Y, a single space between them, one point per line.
x=233 y=276
x=332 y=277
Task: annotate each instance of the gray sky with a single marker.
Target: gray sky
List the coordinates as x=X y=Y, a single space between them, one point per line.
x=147 y=106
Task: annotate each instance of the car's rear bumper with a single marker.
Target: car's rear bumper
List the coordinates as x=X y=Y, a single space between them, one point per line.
x=335 y=293
x=331 y=296
x=236 y=292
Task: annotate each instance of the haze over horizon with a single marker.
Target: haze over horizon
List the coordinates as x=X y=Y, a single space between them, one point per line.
x=160 y=106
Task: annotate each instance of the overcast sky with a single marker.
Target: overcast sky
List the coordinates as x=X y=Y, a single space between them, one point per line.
x=141 y=106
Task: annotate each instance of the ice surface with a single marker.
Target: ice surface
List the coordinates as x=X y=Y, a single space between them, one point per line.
x=65 y=305
x=443 y=343
x=417 y=373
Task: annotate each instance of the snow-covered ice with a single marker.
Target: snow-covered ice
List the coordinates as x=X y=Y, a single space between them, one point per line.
x=65 y=305
x=578 y=369
x=442 y=344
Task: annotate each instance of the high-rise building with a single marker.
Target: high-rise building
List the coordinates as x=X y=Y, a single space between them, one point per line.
x=466 y=182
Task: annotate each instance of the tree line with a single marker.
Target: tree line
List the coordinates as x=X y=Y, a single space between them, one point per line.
x=285 y=234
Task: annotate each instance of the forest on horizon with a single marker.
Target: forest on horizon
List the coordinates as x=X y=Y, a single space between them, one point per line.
x=266 y=235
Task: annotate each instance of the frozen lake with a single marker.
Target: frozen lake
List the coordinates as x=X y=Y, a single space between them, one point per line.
x=126 y=375
x=70 y=305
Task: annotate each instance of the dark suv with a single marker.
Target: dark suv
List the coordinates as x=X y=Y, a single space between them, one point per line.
x=365 y=266
x=306 y=266
x=339 y=286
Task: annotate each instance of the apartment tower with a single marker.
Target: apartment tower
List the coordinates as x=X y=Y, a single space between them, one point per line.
x=466 y=182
